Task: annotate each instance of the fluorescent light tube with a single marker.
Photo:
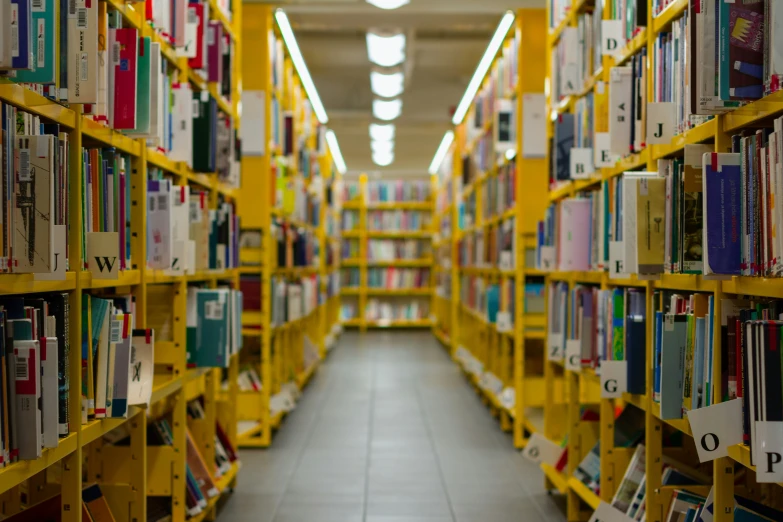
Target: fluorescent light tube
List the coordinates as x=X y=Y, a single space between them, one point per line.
x=483 y=67
x=301 y=66
x=386 y=51
x=388 y=4
x=440 y=154
x=387 y=85
x=383 y=160
x=334 y=148
x=379 y=132
x=382 y=147
x=386 y=110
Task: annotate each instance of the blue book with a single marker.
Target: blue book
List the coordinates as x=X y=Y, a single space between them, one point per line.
x=722 y=182
x=635 y=353
x=208 y=344
x=493 y=303
x=42 y=68
x=20 y=14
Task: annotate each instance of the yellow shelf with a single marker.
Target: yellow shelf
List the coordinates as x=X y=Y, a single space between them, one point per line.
x=125 y=278
x=590 y=498
x=672 y=11
x=403 y=234
x=16 y=473
x=26 y=284
x=423 y=323
x=401 y=205
x=34 y=103
x=557 y=479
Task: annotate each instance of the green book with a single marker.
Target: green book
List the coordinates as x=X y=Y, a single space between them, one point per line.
x=204 y=132
x=143 y=88
x=44 y=41
x=618 y=325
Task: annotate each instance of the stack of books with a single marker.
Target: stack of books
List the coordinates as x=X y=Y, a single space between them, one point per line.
x=398 y=191
x=398 y=278
x=399 y=220
x=398 y=249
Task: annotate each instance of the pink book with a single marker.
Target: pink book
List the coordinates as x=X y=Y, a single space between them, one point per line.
x=126 y=51
x=214 y=54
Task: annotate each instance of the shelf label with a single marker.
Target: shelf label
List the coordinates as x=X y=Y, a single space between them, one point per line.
x=504 y=322
x=60 y=234
x=715 y=428
x=603 y=156
x=660 y=123
x=555 y=351
x=769 y=452
x=103 y=254
x=612 y=39
x=540 y=449
x=546 y=258
x=606 y=513
x=573 y=355
x=581 y=163
x=505 y=262
x=614 y=379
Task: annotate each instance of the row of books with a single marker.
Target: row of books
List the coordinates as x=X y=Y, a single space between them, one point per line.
x=467 y=211
x=443 y=283
x=214 y=326
x=350 y=248
x=351 y=191
x=94 y=507
x=296 y=247
x=350 y=220
x=225 y=452
x=398 y=278
x=399 y=220
x=499 y=191
x=398 y=249
x=34 y=209
x=498 y=88
x=184 y=235
x=493 y=247
x=350 y=277
x=480 y=158
x=348 y=310
x=397 y=191
x=294 y=299
x=391 y=310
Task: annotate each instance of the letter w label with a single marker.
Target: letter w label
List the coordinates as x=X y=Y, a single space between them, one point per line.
x=103 y=253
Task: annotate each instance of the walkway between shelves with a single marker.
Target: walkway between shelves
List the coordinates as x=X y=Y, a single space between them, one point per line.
x=389 y=431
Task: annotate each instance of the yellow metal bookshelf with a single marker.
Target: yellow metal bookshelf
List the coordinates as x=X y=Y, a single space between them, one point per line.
x=515 y=391
x=363 y=263
x=729 y=475
x=277 y=352
x=128 y=475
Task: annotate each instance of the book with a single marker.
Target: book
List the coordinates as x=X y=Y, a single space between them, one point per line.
x=97 y=505
x=721 y=188
x=142 y=367
x=82 y=64
x=123 y=76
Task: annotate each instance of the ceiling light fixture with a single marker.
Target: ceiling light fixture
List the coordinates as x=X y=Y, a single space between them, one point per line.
x=379 y=132
x=334 y=148
x=388 y=4
x=386 y=51
x=440 y=154
x=382 y=147
x=483 y=67
x=387 y=85
x=387 y=110
x=383 y=159
x=301 y=66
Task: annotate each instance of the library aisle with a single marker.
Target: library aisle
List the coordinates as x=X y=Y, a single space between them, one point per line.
x=389 y=432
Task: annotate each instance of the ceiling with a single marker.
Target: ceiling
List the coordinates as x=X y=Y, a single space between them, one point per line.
x=445 y=41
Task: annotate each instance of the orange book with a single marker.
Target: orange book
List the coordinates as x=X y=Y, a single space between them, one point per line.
x=199 y=469
x=96 y=504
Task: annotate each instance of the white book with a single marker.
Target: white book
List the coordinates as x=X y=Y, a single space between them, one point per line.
x=27 y=371
x=83 y=51
x=180 y=228
x=159 y=241
x=620 y=115
x=49 y=390
x=157 y=92
x=182 y=124
x=142 y=367
x=121 y=353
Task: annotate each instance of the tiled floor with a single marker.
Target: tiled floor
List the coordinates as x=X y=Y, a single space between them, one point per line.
x=389 y=431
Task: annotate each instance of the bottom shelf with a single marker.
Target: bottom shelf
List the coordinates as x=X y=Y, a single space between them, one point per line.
x=557 y=479
x=585 y=493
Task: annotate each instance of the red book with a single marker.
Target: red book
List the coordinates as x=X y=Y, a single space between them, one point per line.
x=198 y=61
x=125 y=53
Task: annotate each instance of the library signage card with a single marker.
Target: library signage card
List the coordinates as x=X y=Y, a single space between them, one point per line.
x=504 y=322
x=103 y=254
x=660 y=123
x=715 y=428
x=556 y=350
x=540 y=449
x=573 y=355
x=614 y=379
x=60 y=233
x=581 y=163
x=769 y=451
x=603 y=156
x=612 y=39
x=606 y=513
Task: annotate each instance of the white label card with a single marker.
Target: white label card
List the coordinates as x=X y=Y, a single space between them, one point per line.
x=603 y=156
x=612 y=39
x=769 y=452
x=534 y=125
x=606 y=513
x=540 y=449
x=581 y=163
x=60 y=234
x=504 y=322
x=546 y=258
x=614 y=379
x=660 y=123
x=505 y=262
x=555 y=350
x=616 y=260
x=715 y=428
x=573 y=355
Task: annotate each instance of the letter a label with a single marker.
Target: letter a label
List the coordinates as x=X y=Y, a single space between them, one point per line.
x=715 y=428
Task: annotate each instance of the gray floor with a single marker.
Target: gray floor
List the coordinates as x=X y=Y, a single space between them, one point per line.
x=389 y=431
